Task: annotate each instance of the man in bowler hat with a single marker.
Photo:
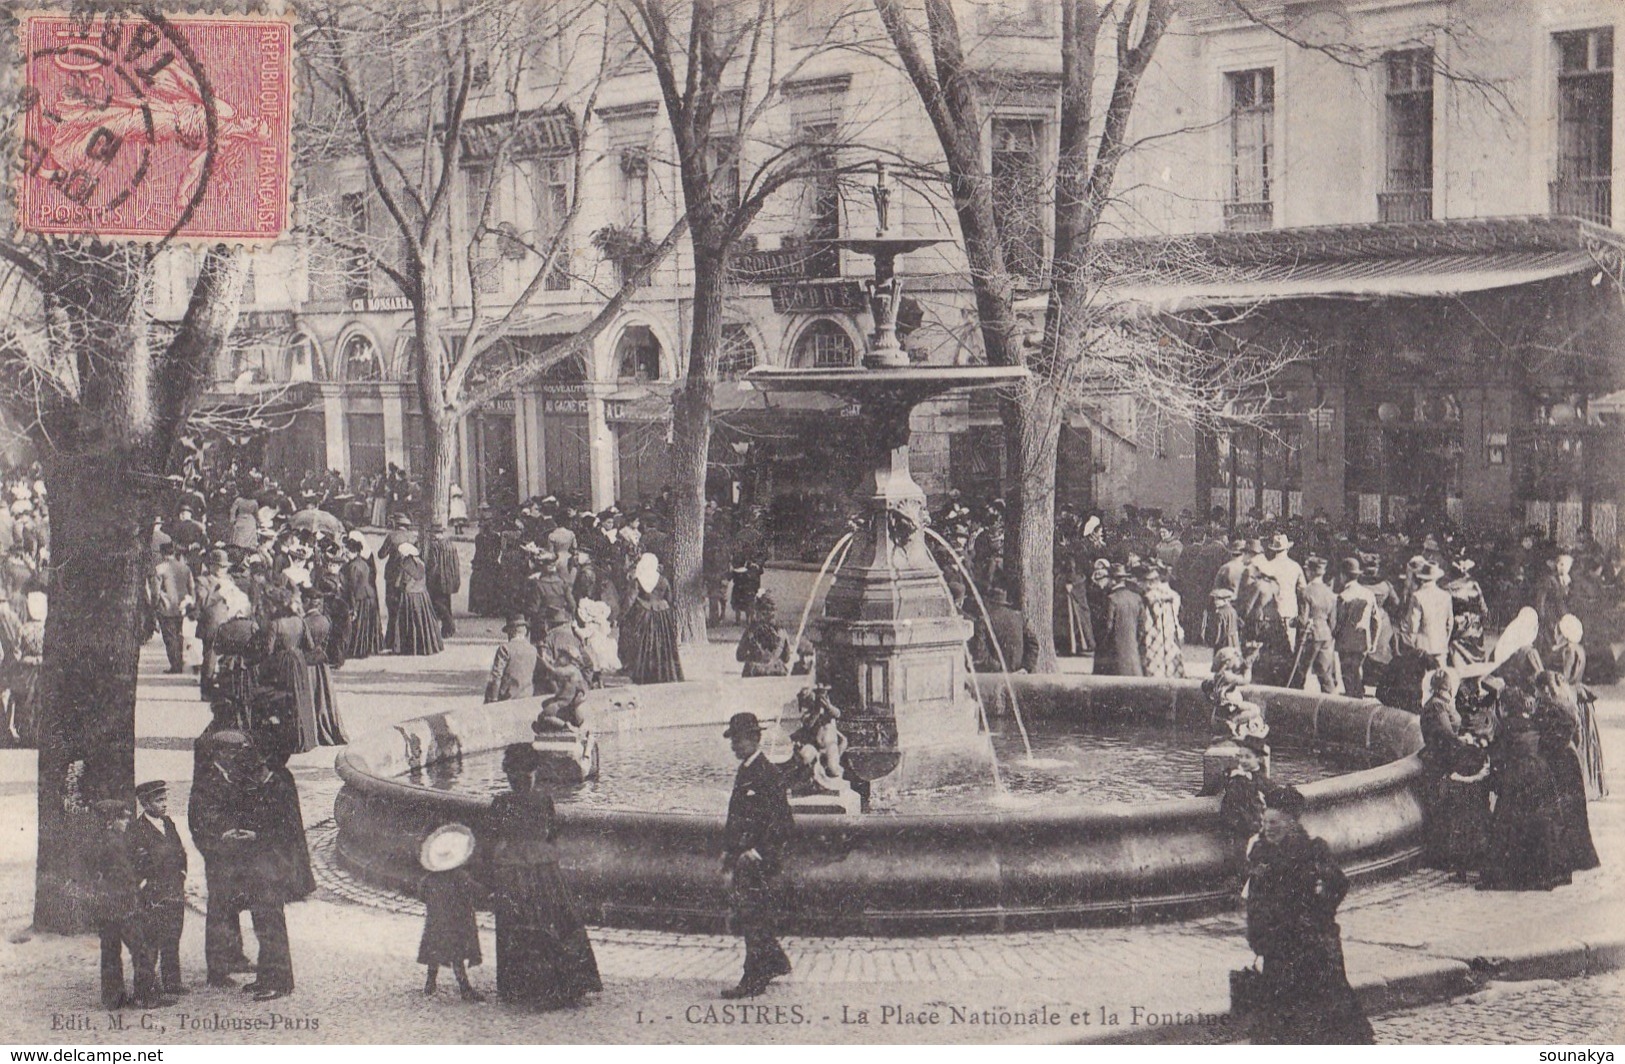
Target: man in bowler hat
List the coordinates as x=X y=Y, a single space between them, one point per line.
x=753 y=849
x=160 y=867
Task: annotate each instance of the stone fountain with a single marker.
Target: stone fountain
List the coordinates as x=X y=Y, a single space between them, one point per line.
x=893 y=689
x=891 y=645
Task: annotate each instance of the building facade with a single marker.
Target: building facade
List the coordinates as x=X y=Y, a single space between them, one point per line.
x=1415 y=196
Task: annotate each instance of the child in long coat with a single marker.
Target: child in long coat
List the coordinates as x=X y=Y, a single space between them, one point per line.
x=450 y=934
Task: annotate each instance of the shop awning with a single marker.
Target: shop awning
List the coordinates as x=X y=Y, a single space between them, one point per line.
x=1366 y=260
x=551 y=324
x=1400 y=277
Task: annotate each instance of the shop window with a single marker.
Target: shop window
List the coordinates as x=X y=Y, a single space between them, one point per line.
x=824 y=345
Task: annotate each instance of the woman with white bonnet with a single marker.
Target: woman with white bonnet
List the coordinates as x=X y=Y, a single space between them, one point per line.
x=649 y=627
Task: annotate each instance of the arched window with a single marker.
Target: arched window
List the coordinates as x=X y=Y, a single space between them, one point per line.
x=637 y=355
x=359 y=360
x=824 y=345
x=301 y=360
x=738 y=355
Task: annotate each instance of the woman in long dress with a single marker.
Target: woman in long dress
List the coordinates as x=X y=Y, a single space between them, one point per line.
x=649 y=649
x=329 y=726
x=359 y=589
x=1162 y=640
x=544 y=957
x=1569 y=661
x=1294 y=887
x=25 y=671
x=1523 y=851
x=1469 y=612
x=1458 y=799
x=1557 y=719
x=484 y=574
x=418 y=632
x=287 y=643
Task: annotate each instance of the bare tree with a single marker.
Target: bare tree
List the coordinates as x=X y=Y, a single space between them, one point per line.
x=417 y=96
x=721 y=66
x=105 y=404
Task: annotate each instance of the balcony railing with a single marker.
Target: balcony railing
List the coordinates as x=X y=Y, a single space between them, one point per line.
x=1591 y=198
x=1249 y=216
x=1405 y=205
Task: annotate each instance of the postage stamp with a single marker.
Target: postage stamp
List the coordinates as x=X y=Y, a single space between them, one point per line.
x=151 y=127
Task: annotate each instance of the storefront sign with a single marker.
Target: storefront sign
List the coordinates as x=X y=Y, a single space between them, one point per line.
x=1495 y=448
x=370 y=303
x=252 y=322
x=502 y=404
x=564 y=405
x=634 y=410
x=1322 y=418
x=818 y=296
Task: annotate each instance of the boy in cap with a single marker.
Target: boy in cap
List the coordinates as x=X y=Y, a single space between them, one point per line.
x=1355 y=631
x=116 y=908
x=1226 y=623
x=758 y=827
x=160 y=865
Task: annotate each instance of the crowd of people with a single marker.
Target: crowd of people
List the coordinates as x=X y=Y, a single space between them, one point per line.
x=281 y=596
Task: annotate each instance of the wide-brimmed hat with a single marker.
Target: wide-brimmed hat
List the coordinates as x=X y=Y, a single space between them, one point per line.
x=742 y=724
x=447 y=847
x=515 y=622
x=1255 y=743
x=1428 y=571
x=1119 y=572
x=1279 y=541
x=1091 y=526
x=1255 y=546
x=1238 y=546
x=1464 y=564
x=1221 y=594
x=406 y=550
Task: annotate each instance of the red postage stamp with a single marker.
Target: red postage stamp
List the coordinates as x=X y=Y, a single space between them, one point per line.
x=154 y=127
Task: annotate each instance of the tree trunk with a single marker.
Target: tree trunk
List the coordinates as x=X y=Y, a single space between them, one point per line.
x=439 y=425
x=1034 y=418
x=691 y=447
x=100 y=527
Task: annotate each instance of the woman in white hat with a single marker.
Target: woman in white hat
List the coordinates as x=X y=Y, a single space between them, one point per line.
x=418 y=630
x=1568 y=660
x=649 y=628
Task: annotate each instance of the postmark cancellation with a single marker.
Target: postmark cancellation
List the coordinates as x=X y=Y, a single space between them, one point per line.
x=153 y=127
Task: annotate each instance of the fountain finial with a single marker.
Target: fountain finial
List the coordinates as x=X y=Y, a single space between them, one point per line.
x=882 y=194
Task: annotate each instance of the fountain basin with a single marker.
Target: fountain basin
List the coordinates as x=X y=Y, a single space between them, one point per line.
x=905 y=872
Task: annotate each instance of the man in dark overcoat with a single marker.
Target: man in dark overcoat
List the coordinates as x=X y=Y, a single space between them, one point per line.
x=757 y=831
x=444 y=578
x=211 y=813
x=1118 y=654
x=160 y=867
x=1008 y=631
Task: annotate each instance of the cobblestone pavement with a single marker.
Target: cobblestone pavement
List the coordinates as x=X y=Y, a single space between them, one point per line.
x=1575 y=1012
x=354 y=944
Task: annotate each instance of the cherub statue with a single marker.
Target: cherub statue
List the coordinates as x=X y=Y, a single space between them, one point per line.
x=818 y=742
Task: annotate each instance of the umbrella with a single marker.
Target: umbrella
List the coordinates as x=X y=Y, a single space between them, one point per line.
x=317 y=521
